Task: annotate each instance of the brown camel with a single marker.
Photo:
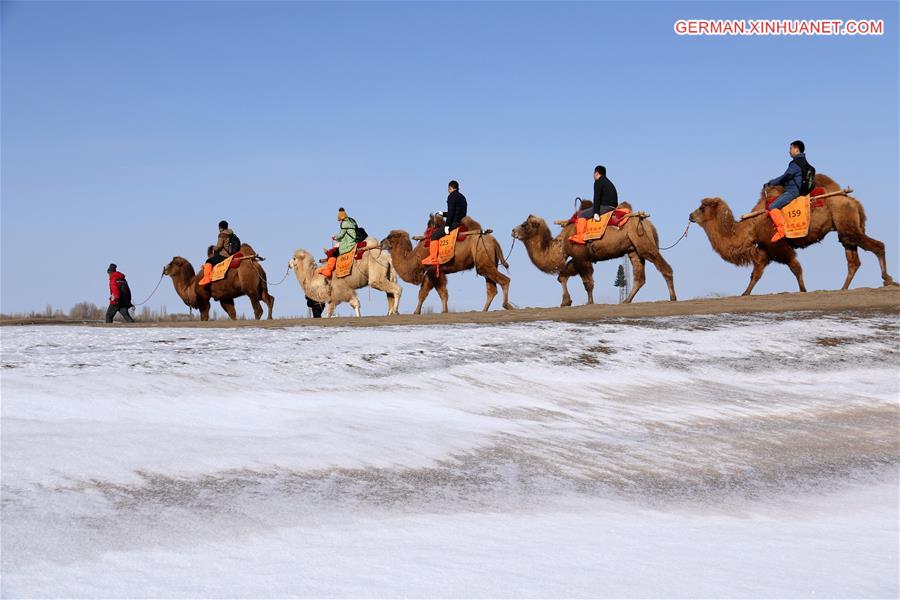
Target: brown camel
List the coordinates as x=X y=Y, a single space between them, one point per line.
x=637 y=238
x=249 y=279
x=748 y=242
x=481 y=252
x=547 y=254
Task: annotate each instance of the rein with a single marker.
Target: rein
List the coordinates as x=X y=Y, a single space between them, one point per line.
x=683 y=235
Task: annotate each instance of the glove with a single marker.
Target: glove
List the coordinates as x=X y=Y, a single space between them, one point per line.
x=596 y=217
x=446 y=230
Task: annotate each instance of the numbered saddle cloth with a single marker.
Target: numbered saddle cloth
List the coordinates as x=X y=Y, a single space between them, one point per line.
x=447 y=247
x=344 y=264
x=596 y=229
x=796 y=217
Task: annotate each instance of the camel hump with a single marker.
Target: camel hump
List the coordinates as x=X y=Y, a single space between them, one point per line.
x=823 y=180
x=471 y=224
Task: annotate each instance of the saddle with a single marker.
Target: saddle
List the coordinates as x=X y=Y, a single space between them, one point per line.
x=220 y=270
x=814 y=201
x=460 y=237
x=618 y=218
x=360 y=251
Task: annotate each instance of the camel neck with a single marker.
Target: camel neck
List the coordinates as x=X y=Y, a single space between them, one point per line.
x=544 y=251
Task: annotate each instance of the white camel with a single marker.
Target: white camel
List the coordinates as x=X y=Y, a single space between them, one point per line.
x=374 y=270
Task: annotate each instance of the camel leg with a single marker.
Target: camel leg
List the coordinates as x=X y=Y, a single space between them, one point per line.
x=503 y=281
x=257 y=307
x=491 y=293
x=563 y=281
x=269 y=299
x=440 y=285
x=563 y=278
x=649 y=251
x=426 y=286
x=587 y=280
x=797 y=270
x=329 y=309
x=665 y=269
x=852 y=264
x=228 y=305
x=760 y=262
x=877 y=248
x=851 y=230
x=493 y=277
x=204 y=313
x=393 y=291
x=354 y=302
x=639 y=274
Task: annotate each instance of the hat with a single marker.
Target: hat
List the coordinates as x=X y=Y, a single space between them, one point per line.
x=112 y=268
x=342 y=214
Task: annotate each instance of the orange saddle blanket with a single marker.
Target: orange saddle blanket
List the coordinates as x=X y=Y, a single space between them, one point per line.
x=344 y=264
x=220 y=270
x=796 y=217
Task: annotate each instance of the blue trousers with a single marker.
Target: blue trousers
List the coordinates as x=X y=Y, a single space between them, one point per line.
x=784 y=199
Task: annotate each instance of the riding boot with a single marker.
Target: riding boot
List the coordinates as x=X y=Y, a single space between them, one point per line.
x=207 y=274
x=434 y=247
x=580 y=229
x=778 y=219
x=328 y=269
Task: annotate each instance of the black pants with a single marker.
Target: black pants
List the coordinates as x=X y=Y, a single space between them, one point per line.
x=589 y=213
x=215 y=259
x=115 y=308
x=315 y=307
x=439 y=232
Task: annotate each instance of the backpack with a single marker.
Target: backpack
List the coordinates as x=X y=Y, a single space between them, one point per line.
x=234 y=244
x=124 y=293
x=359 y=233
x=807 y=174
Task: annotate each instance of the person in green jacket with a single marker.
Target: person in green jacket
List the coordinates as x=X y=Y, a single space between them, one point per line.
x=345 y=241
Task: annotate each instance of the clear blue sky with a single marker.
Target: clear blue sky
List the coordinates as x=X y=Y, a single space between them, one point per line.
x=130 y=129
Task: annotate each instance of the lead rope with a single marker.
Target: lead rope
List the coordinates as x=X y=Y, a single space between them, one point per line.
x=266 y=281
x=511 y=246
x=683 y=235
x=153 y=292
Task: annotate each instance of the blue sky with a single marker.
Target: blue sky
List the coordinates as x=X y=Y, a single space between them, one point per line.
x=130 y=129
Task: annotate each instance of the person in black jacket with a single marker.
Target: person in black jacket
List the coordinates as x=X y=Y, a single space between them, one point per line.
x=606 y=199
x=457 y=206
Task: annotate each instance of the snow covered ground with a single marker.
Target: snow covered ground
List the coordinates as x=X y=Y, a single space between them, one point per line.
x=726 y=456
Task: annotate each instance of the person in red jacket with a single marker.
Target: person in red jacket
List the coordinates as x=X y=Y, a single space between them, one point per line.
x=119 y=295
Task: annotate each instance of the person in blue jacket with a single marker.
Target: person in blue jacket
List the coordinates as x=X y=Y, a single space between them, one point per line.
x=791 y=181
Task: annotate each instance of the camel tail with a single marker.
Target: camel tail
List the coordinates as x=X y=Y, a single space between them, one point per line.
x=862 y=215
x=499 y=253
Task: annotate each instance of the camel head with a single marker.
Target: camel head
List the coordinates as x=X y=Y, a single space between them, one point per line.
x=529 y=228
x=301 y=259
x=177 y=266
x=436 y=220
x=709 y=210
x=396 y=238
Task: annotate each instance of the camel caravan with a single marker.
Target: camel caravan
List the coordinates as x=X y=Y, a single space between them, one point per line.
x=794 y=210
